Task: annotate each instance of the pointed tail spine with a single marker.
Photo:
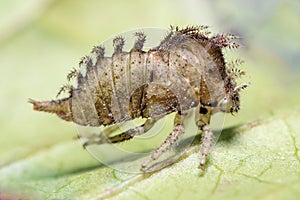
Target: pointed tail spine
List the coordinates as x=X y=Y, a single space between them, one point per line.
x=61 y=107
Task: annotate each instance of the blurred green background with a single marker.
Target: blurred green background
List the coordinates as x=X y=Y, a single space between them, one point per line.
x=41 y=40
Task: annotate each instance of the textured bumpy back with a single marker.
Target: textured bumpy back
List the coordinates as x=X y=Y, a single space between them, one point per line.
x=185 y=69
x=152 y=84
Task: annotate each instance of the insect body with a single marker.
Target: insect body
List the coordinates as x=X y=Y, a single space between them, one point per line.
x=186 y=70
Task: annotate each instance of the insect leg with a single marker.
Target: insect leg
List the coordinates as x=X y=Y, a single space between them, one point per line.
x=110 y=130
x=127 y=135
x=104 y=133
x=208 y=138
x=167 y=144
x=207 y=143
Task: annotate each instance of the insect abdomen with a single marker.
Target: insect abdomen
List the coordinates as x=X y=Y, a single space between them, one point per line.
x=130 y=85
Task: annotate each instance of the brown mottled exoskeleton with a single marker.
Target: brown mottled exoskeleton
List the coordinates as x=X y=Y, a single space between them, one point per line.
x=187 y=70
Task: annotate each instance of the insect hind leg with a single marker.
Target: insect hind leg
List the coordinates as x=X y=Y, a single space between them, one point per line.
x=127 y=135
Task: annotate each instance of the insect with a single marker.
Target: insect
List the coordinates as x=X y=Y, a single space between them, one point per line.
x=186 y=70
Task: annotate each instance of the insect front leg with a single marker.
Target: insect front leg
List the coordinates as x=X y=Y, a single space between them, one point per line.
x=127 y=135
x=208 y=139
x=167 y=144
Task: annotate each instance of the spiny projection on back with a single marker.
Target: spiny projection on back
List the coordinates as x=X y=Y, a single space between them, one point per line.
x=186 y=70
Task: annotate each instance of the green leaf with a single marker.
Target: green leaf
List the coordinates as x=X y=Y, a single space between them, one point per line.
x=257 y=160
